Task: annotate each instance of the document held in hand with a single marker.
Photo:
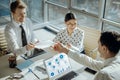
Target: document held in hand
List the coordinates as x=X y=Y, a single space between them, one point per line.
x=44 y=44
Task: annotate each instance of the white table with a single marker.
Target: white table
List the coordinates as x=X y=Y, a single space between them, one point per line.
x=83 y=75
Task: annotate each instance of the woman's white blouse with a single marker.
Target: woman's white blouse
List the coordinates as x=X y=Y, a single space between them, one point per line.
x=76 y=38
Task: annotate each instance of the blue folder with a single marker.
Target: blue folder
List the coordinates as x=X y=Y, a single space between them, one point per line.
x=24 y=65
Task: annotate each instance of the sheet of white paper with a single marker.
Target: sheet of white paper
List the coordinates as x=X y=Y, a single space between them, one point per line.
x=44 y=44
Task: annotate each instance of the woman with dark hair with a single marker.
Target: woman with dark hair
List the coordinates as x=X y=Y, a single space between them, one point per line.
x=72 y=37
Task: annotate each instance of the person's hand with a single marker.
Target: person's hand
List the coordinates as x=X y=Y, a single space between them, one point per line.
x=30 y=46
x=60 y=48
x=57 y=47
x=68 y=45
x=36 y=42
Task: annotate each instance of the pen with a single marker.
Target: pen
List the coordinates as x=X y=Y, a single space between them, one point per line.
x=33 y=73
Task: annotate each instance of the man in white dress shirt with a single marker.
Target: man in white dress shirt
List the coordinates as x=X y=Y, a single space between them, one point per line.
x=13 y=30
x=108 y=46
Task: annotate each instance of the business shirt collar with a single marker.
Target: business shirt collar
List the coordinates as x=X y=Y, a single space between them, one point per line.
x=75 y=29
x=72 y=32
x=17 y=24
x=109 y=60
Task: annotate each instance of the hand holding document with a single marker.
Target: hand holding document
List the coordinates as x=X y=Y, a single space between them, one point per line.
x=64 y=48
x=44 y=44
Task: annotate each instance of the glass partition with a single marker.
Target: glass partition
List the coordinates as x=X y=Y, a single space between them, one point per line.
x=4 y=11
x=35 y=10
x=56 y=16
x=91 y=6
x=112 y=11
x=87 y=21
x=60 y=2
x=90 y=13
x=108 y=27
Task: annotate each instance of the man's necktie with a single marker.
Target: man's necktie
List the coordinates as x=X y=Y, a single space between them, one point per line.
x=23 y=36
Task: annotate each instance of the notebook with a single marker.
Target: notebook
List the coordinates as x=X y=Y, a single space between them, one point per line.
x=58 y=67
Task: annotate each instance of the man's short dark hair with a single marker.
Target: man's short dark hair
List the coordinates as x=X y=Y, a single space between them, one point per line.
x=17 y=4
x=111 y=40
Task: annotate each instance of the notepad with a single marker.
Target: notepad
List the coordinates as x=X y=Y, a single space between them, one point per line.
x=24 y=64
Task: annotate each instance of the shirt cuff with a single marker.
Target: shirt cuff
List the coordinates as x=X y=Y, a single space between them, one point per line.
x=79 y=50
x=70 y=52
